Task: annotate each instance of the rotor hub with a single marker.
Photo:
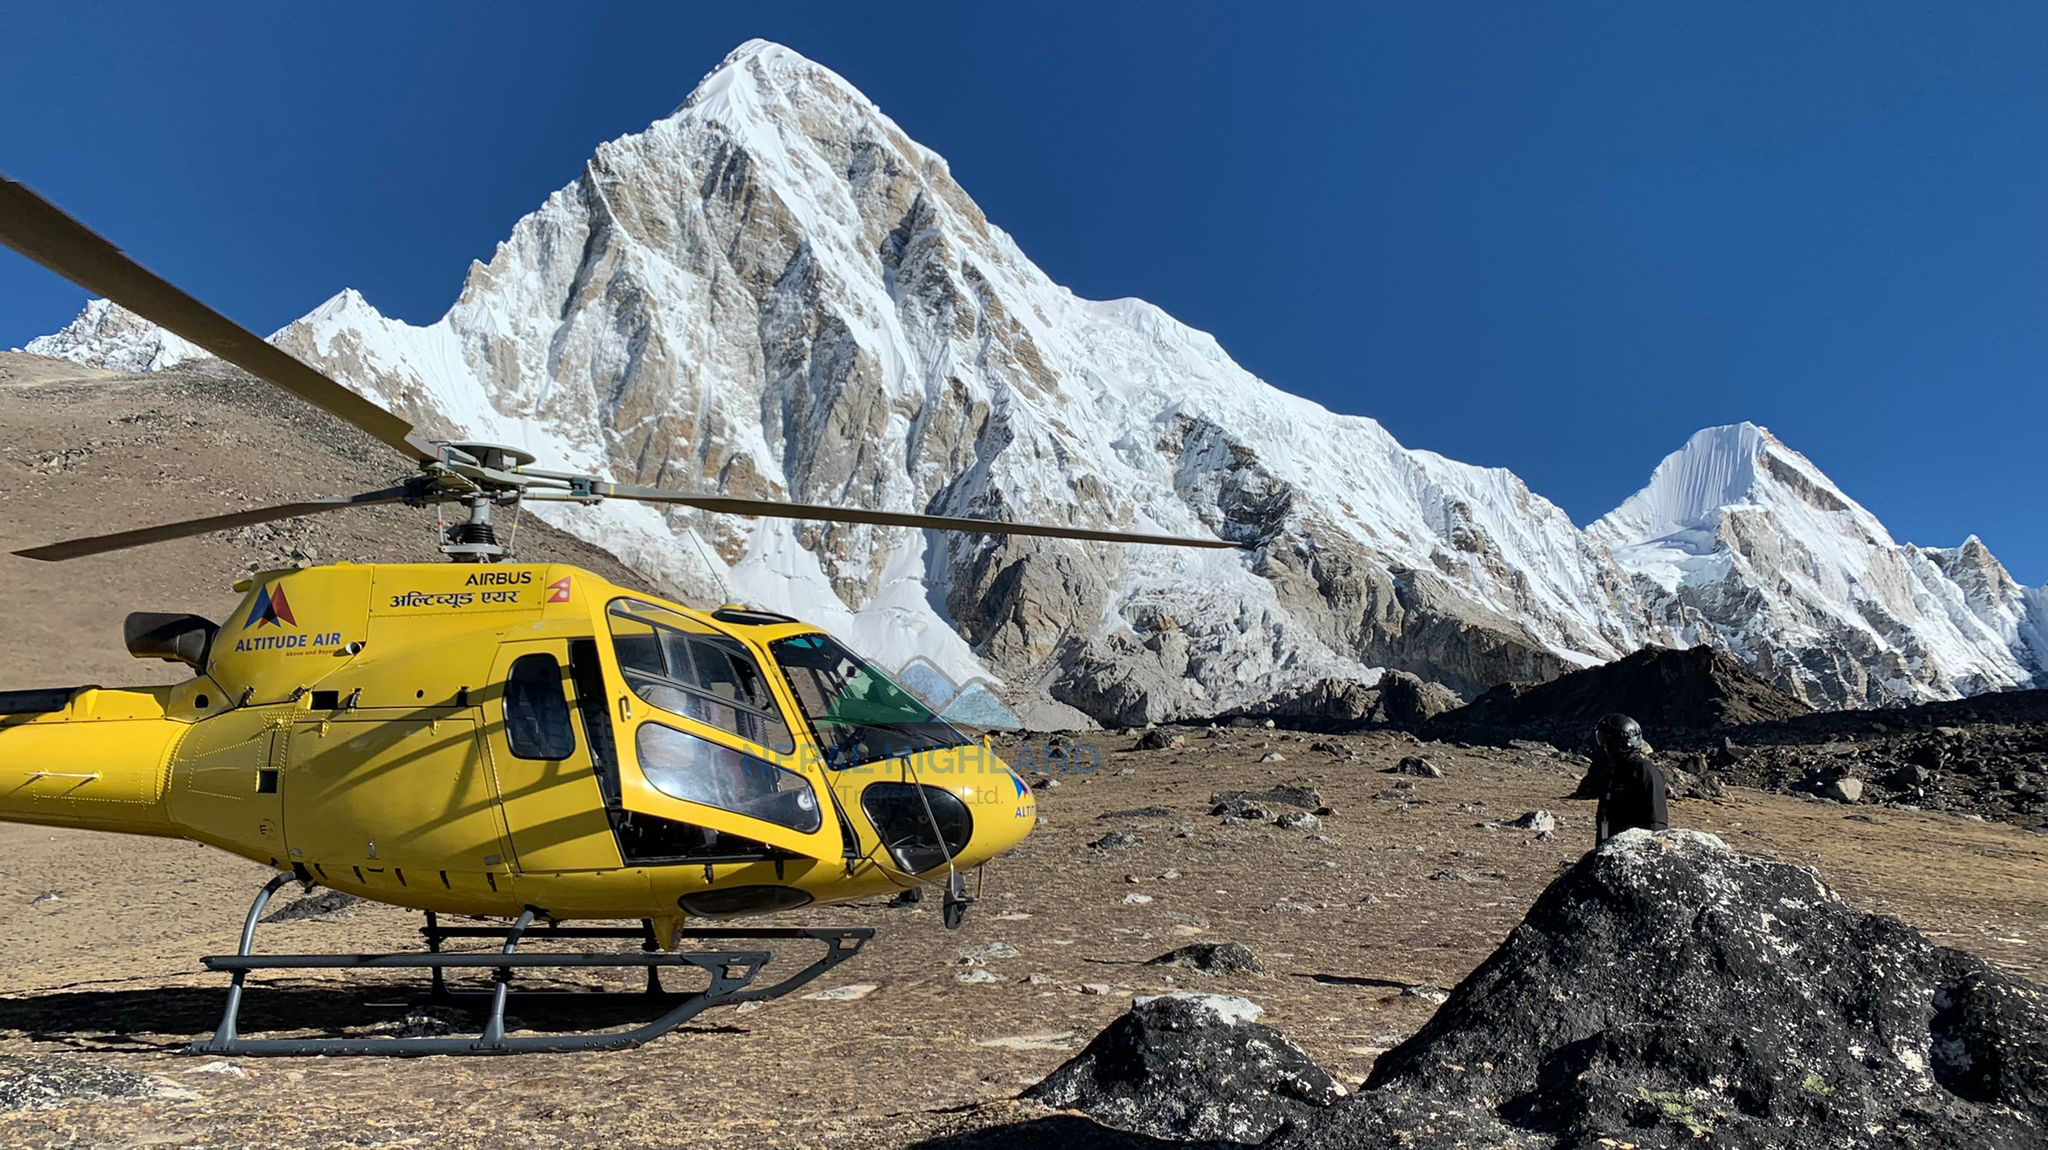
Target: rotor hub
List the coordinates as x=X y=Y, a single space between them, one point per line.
x=496 y=456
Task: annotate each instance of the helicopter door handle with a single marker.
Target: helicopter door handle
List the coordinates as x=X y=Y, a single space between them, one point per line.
x=625 y=709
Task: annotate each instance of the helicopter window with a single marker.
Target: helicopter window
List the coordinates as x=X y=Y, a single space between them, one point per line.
x=536 y=710
x=696 y=770
x=860 y=714
x=920 y=826
x=682 y=667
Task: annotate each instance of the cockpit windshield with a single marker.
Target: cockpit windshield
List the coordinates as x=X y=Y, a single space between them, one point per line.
x=861 y=714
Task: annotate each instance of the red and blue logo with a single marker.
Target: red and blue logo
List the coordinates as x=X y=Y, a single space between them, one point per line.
x=271 y=608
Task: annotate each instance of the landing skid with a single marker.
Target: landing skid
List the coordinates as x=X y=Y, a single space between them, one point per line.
x=732 y=974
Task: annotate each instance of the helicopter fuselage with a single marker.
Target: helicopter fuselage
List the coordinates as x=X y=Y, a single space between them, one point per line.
x=478 y=739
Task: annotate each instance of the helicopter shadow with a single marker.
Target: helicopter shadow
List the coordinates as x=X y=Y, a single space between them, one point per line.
x=171 y=1018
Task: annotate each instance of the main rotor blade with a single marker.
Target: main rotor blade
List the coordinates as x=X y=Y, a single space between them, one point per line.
x=41 y=231
x=776 y=509
x=121 y=540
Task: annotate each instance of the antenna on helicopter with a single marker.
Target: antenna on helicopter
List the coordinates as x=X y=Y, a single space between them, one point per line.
x=479 y=477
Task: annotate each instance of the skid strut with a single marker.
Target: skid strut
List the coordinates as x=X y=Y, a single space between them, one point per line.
x=732 y=974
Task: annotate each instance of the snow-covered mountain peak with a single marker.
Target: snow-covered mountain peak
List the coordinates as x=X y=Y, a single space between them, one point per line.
x=1737 y=467
x=762 y=86
x=109 y=336
x=1742 y=542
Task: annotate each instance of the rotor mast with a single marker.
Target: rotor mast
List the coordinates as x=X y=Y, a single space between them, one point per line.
x=475 y=538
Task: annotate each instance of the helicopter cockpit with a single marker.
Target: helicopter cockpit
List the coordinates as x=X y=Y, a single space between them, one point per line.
x=859 y=713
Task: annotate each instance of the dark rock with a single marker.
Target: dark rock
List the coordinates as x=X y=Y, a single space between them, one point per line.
x=318 y=905
x=1286 y=794
x=1137 y=813
x=1116 y=841
x=1661 y=688
x=1298 y=821
x=1193 y=1068
x=1241 y=809
x=1213 y=958
x=1409 y=700
x=1065 y=1131
x=1666 y=991
x=1418 y=766
x=1157 y=739
x=1399 y=698
x=46 y=1082
x=435 y=1022
x=1725 y=753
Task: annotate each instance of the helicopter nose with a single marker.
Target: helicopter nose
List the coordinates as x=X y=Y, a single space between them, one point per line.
x=1004 y=809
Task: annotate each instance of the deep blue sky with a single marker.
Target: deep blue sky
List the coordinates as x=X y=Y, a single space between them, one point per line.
x=1557 y=239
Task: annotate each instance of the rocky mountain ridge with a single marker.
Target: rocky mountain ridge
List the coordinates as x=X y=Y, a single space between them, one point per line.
x=775 y=292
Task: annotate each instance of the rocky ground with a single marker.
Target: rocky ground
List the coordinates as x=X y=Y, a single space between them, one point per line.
x=1361 y=920
x=1715 y=724
x=1985 y=757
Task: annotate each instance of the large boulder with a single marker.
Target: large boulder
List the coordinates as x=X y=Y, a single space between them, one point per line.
x=1667 y=991
x=1191 y=1068
x=1409 y=700
x=1665 y=690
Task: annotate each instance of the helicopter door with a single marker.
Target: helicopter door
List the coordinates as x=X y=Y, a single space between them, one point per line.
x=546 y=770
x=703 y=743
x=378 y=796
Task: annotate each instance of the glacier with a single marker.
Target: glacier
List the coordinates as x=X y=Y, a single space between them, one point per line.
x=774 y=292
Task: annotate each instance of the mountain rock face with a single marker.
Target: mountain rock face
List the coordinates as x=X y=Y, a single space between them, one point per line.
x=775 y=292
x=1667 y=991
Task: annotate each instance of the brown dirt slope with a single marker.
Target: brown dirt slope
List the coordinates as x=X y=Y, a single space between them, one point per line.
x=83 y=452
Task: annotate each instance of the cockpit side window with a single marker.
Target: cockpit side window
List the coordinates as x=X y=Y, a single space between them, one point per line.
x=680 y=666
x=698 y=770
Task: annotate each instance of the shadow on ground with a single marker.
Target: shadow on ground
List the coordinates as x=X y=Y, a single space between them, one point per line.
x=170 y=1018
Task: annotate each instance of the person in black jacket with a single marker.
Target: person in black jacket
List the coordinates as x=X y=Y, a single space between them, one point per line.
x=1632 y=794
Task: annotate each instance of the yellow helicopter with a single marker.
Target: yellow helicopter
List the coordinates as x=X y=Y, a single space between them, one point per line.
x=505 y=740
